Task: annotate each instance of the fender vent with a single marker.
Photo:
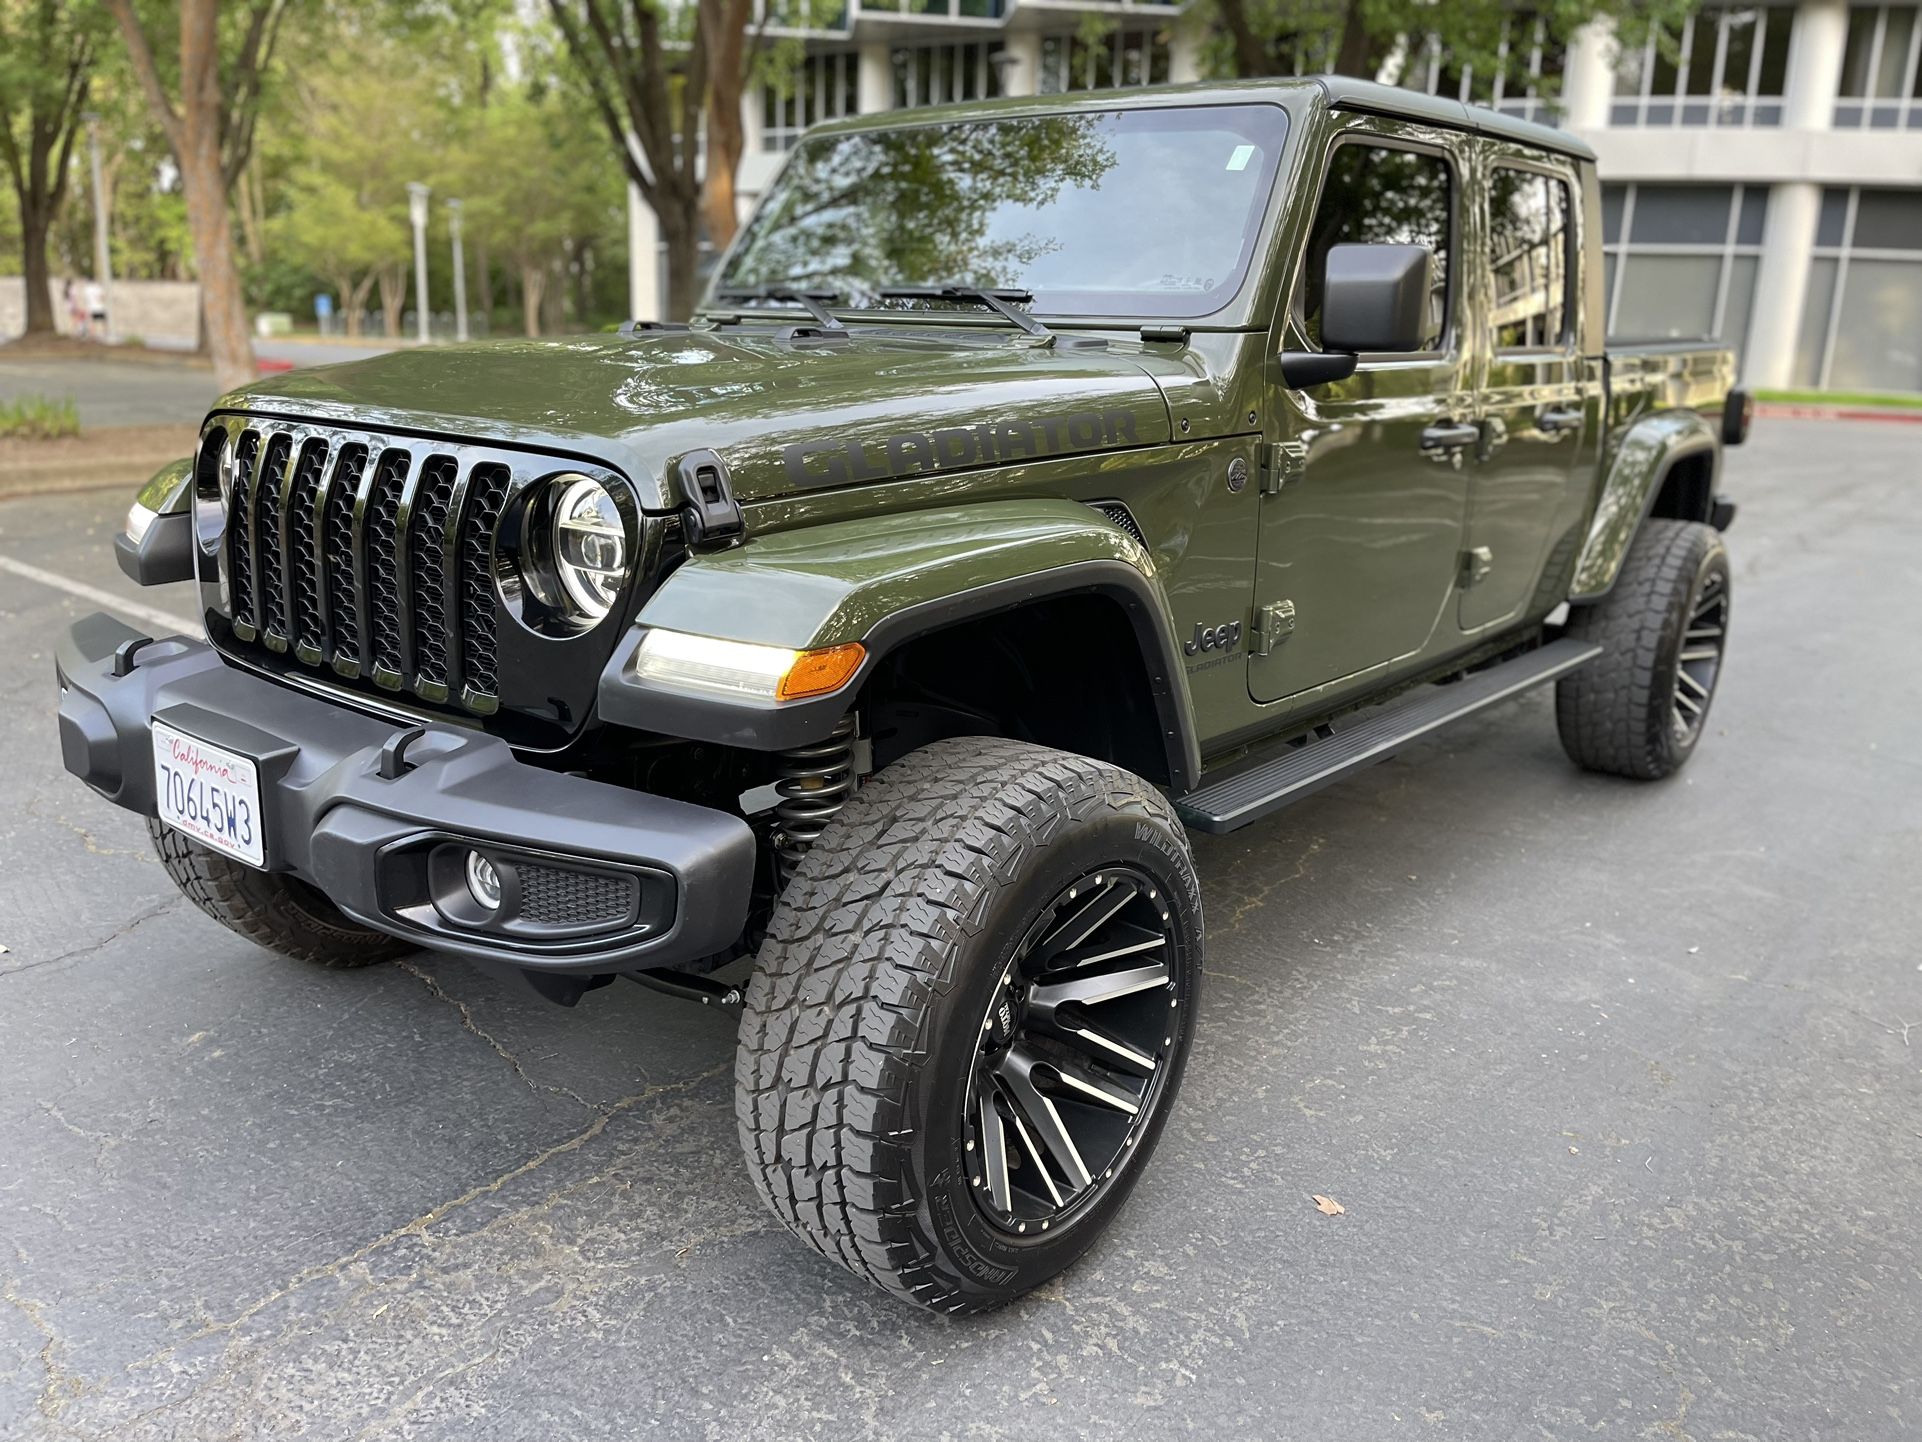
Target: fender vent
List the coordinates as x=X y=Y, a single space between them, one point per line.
x=1122 y=517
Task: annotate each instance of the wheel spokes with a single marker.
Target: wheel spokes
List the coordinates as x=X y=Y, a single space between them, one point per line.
x=1101 y=1044
x=1086 y=1086
x=1121 y=940
x=1094 y=990
x=1087 y=918
x=993 y=1142
x=1016 y=1071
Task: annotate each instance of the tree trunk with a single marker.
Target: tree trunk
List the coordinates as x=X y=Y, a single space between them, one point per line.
x=393 y=295
x=483 y=279
x=725 y=23
x=1353 y=57
x=33 y=246
x=533 y=289
x=222 y=306
x=194 y=134
x=1251 y=53
x=680 y=233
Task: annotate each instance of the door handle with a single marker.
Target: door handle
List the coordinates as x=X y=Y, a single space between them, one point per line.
x=1558 y=419
x=1448 y=435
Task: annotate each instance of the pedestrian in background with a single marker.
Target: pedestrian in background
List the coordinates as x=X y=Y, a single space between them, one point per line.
x=76 y=309
x=96 y=298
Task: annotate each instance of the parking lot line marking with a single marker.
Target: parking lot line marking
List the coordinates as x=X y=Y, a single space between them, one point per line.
x=168 y=622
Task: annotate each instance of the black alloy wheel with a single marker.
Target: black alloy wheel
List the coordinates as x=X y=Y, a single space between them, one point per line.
x=1700 y=659
x=1073 y=1052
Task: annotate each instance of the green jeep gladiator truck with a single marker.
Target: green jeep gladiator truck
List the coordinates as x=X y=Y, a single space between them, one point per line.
x=1039 y=480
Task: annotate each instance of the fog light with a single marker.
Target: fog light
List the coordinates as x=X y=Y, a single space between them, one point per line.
x=483 y=881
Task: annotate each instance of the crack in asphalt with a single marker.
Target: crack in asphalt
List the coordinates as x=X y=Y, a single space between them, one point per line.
x=124 y=929
x=468 y=1023
x=419 y=1226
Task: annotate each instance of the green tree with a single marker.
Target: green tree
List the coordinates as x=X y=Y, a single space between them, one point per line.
x=1360 y=37
x=48 y=49
x=541 y=196
x=366 y=132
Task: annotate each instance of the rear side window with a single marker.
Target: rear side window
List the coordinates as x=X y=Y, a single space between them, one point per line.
x=1375 y=194
x=1529 y=249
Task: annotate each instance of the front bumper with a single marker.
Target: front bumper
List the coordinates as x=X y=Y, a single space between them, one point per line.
x=375 y=815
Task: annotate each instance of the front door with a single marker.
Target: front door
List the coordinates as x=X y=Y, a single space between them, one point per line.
x=1533 y=409
x=1366 y=486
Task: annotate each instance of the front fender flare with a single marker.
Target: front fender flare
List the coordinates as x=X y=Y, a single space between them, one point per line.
x=883 y=580
x=1645 y=455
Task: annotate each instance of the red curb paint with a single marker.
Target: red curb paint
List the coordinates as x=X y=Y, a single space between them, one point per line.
x=1781 y=411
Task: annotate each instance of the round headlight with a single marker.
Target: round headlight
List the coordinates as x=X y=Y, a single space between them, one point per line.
x=590 y=547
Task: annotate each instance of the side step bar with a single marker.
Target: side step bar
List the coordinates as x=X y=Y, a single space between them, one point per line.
x=1233 y=802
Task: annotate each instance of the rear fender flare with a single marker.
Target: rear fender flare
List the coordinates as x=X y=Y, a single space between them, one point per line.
x=1643 y=458
x=882 y=581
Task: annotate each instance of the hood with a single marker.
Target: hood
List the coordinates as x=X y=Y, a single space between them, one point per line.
x=786 y=415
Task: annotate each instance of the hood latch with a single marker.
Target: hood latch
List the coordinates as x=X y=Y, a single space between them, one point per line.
x=712 y=518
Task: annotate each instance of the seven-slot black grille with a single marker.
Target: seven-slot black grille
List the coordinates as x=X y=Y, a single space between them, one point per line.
x=373 y=558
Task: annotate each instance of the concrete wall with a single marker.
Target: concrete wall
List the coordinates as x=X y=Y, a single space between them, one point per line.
x=160 y=312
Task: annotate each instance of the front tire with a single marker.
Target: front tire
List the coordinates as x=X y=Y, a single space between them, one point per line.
x=1640 y=708
x=942 y=1083
x=281 y=913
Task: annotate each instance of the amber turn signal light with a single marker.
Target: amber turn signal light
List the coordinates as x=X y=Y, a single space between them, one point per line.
x=816 y=673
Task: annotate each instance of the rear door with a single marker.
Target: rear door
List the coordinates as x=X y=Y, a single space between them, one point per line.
x=1533 y=391
x=1366 y=487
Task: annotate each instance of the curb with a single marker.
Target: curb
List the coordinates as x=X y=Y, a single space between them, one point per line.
x=1780 y=410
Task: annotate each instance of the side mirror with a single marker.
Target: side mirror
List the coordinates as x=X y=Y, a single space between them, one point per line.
x=1374 y=299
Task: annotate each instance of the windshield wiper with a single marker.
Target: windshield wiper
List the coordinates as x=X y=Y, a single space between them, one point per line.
x=1002 y=301
x=814 y=302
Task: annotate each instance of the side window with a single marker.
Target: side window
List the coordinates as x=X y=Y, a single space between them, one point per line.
x=1529 y=248
x=1377 y=194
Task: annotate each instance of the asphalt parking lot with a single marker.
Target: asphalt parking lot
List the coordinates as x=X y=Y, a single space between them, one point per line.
x=1620 y=1087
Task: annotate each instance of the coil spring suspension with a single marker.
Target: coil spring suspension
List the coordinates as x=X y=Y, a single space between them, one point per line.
x=814 y=783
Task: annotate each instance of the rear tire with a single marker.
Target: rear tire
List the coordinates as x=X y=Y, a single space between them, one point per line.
x=1640 y=708
x=909 y=962
x=281 y=913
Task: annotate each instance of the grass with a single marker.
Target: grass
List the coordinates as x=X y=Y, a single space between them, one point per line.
x=39 y=418
x=1843 y=398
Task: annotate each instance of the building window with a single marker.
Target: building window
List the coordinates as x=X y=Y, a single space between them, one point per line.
x=1680 y=261
x=937 y=74
x=1121 y=58
x=1862 y=319
x=821 y=87
x=1527 y=59
x=1724 y=67
x=1529 y=246
x=1882 y=69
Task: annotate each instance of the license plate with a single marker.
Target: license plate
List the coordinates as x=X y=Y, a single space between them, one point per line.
x=208 y=794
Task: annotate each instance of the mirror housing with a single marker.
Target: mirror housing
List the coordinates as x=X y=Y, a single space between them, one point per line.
x=1375 y=298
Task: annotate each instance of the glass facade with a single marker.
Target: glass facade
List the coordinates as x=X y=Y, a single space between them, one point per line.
x=820 y=87
x=1681 y=261
x=1529 y=69
x=1128 y=56
x=938 y=74
x=1723 y=66
x=1882 y=69
x=1862 y=316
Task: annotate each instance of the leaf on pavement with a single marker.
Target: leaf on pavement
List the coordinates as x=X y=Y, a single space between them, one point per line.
x=1329 y=1207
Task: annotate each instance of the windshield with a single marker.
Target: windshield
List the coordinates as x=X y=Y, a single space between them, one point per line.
x=1129 y=213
